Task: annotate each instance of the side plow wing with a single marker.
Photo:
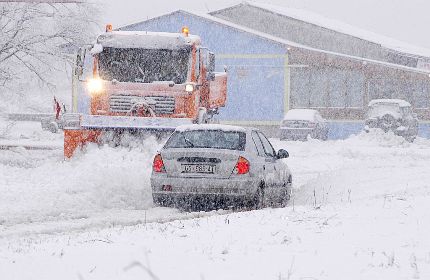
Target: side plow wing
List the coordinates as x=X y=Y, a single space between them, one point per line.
x=90 y=128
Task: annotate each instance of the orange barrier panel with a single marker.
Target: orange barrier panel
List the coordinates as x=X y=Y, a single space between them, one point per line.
x=78 y=138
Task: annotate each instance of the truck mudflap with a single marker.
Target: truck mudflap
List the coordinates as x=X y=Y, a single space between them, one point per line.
x=90 y=128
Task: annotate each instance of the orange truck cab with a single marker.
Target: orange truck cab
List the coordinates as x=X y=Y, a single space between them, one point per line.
x=133 y=80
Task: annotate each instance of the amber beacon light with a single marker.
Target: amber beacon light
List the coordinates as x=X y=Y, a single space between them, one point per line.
x=185 y=31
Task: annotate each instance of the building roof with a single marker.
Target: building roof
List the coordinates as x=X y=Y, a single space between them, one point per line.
x=287 y=43
x=341 y=27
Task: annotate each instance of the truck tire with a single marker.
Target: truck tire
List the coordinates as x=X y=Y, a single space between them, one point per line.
x=53 y=127
x=202 y=116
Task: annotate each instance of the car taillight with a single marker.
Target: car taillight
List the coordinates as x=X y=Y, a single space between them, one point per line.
x=242 y=166
x=158 y=165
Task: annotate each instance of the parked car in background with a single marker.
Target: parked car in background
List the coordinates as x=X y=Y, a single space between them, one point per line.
x=298 y=124
x=392 y=115
x=223 y=165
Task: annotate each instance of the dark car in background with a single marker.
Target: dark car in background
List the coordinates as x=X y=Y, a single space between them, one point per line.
x=298 y=124
x=392 y=115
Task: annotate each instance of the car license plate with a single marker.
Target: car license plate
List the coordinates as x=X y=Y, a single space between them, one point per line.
x=198 y=168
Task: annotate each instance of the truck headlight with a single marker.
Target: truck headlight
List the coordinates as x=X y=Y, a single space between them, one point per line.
x=189 y=88
x=94 y=86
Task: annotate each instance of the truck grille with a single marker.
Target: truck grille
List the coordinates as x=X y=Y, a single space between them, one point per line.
x=122 y=103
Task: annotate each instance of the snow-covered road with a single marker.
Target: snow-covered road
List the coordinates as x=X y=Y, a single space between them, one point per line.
x=360 y=211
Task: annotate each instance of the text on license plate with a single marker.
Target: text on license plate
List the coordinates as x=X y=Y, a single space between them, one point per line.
x=198 y=168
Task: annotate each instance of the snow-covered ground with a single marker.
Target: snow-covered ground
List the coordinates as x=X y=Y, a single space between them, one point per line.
x=360 y=211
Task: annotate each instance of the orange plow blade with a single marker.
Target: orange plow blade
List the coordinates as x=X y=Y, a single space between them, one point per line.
x=74 y=139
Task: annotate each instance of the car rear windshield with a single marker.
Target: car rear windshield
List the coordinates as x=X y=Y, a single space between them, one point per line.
x=211 y=139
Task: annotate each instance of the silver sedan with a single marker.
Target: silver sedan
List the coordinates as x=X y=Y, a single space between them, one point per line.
x=222 y=164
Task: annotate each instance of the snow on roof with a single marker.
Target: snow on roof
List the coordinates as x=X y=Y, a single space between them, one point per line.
x=222 y=127
x=316 y=19
x=300 y=46
x=143 y=39
x=291 y=43
x=300 y=114
x=400 y=102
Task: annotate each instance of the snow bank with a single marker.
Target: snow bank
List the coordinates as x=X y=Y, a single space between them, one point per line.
x=381 y=240
x=40 y=186
x=363 y=166
x=359 y=211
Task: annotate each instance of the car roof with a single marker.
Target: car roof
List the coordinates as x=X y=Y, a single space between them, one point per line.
x=300 y=114
x=400 y=102
x=221 y=127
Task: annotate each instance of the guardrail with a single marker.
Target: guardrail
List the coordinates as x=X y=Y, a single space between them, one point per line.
x=29 y=145
x=33 y=117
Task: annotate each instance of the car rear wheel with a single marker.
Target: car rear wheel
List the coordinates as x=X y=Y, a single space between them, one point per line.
x=286 y=192
x=259 y=198
x=160 y=200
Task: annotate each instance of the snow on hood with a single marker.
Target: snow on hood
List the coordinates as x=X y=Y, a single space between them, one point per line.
x=300 y=115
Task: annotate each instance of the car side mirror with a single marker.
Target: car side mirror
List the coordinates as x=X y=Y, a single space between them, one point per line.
x=282 y=154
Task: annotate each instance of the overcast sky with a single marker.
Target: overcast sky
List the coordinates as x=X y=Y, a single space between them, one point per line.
x=405 y=20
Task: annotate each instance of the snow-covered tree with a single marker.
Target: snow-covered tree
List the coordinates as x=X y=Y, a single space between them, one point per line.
x=37 y=39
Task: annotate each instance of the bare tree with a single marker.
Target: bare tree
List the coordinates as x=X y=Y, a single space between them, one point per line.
x=35 y=37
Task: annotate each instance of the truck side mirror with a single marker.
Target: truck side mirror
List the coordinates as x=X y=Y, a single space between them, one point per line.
x=211 y=67
x=79 y=66
x=79 y=70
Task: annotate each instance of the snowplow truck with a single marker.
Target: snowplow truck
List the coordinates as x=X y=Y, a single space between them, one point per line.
x=132 y=81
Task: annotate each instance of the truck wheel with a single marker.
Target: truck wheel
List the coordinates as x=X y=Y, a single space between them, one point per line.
x=53 y=127
x=202 y=116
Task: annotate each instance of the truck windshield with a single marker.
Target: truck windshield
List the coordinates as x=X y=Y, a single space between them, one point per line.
x=144 y=65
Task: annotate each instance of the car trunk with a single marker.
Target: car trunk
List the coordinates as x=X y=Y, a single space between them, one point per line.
x=199 y=163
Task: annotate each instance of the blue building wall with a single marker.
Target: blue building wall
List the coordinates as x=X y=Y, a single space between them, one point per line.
x=256 y=78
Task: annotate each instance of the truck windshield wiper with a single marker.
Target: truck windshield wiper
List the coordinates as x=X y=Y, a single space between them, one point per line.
x=141 y=72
